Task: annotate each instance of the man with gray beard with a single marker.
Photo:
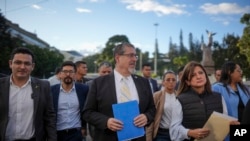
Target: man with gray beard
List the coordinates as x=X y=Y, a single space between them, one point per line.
x=107 y=90
x=69 y=98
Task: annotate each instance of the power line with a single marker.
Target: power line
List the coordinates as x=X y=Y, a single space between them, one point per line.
x=21 y=7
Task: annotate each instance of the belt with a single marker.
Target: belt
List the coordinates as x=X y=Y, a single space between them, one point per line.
x=71 y=130
x=32 y=139
x=164 y=130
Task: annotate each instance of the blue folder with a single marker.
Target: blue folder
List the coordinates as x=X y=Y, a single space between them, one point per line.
x=126 y=112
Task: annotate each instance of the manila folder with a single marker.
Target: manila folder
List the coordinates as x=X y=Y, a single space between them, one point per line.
x=219 y=126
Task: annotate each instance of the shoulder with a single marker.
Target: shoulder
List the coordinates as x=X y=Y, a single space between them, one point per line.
x=83 y=88
x=218 y=86
x=104 y=79
x=158 y=94
x=153 y=80
x=138 y=77
x=5 y=79
x=56 y=86
x=79 y=85
x=39 y=81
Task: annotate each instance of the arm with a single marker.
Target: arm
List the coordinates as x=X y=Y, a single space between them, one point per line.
x=92 y=112
x=224 y=106
x=177 y=131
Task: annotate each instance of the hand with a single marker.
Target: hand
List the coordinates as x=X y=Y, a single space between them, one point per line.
x=141 y=120
x=84 y=132
x=199 y=133
x=114 y=124
x=234 y=122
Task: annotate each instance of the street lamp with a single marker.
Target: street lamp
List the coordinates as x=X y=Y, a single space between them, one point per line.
x=156 y=46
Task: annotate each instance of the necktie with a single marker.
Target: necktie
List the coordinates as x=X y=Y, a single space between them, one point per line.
x=151 y=86
x=126 y=95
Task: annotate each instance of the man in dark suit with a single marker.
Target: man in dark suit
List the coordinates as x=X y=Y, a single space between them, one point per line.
x=69 y=99
x=2 y=75
x=26 y=107
x=106 y=90
x=146 y=72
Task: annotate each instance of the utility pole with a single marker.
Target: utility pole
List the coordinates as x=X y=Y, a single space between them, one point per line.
x=156 y=47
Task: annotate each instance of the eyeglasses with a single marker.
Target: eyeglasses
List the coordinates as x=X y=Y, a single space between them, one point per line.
x=20 y=63
x=239 y=70
x=130 y=55
x=170 y=79
x=68 y=71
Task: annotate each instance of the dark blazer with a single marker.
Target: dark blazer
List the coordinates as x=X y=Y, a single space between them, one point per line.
x=81 y=91
x=154 y=85
x=44 y=115
x=2 y=75
x=102 y=95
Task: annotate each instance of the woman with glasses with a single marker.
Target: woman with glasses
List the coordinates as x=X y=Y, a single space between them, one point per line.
x=232 y=89
x=164 y=99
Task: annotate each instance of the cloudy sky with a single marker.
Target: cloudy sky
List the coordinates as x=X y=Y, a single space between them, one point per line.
x=86 y=25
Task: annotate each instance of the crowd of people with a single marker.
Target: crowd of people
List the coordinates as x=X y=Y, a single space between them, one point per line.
x=68 y=106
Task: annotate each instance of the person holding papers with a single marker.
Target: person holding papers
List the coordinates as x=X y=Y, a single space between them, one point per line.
x=117 y=87
x=195 y=103
x=230 y=86
x=164 y=99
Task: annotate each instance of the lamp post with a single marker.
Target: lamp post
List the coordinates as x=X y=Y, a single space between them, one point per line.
x=156 y=46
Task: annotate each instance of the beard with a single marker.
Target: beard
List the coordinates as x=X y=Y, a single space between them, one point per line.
x=68 y=80
x=132 y=70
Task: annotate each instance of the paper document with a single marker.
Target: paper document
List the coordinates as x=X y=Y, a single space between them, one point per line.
x=219 y=126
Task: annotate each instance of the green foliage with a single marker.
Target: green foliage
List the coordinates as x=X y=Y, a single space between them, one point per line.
x=244 y=42
x=46 y=60
x=92 y=62
x=180 y=61
x=107 y=53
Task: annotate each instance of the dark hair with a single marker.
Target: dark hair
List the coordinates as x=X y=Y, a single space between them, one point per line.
x=105 y=63
x=227 y=69
x=180 y=69
x=78 y=63
x=146 y=65
x=57 y=70
x=120 y=48
x=22 y=50
x=167 y=72
x=187 y=75
x=68 y=63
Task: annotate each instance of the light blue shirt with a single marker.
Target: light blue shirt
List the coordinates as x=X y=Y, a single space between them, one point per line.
x=177 y=131
x=232 y=99
x=68 y=115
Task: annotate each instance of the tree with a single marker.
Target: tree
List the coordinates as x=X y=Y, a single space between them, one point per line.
x=92 y=62
x=183 y=50
x=46 y=60
x=4 y=46
x=244 y=42
x=195 y=52
x=107 y=53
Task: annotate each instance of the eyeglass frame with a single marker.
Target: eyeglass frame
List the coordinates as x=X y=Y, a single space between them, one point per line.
x=70 y=72
x=130 y=55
